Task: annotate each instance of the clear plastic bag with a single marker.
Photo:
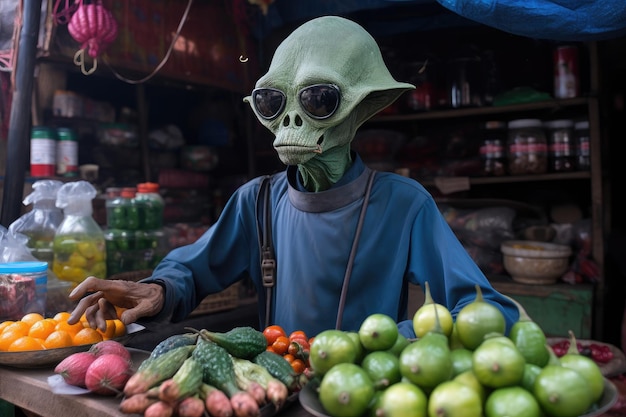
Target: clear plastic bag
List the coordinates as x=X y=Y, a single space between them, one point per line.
x=79 y=244
x=39 y=225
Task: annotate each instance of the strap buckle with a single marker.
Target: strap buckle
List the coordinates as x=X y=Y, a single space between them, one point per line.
x=268 y=268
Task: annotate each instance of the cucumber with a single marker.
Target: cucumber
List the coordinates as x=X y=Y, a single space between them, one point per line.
x=185 y=382
x=217 y=366
x=172 y=342
x=153 y=371
x=279 y=368
x=241 y=342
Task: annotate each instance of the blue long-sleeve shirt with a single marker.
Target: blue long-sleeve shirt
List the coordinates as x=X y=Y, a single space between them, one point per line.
x=404 y=239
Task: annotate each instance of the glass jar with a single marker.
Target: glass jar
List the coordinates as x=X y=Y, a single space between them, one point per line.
x=150 y=205
x=527 y=148
x=492 y=150
x=560 y=145
x=582 y=145
x=120 y=211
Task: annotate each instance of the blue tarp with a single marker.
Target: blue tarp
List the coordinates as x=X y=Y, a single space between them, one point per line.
x=559 y=20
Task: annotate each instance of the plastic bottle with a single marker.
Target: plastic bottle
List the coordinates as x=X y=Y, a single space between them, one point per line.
x=43 y=148
x=79 y=244
x=151 y=205
x=41 y=222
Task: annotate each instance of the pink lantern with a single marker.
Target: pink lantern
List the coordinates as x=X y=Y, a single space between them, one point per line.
x=95 y=28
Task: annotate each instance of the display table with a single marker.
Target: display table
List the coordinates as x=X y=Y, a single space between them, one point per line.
x=28 y=389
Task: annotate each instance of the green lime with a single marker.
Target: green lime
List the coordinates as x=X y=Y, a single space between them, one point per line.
x=329 y=348
x=452 y=398
x=530 y=340
x=468 y=378
x=497 y=364
x=530 y=374
x=426 y=317
x=562 y=392
x=476 y=320
x=378 y=332
x=346 y=390
x=589 y=370
x=399 y=345
x=403 y=399
x=427 y=361
x=511 y=402
x=382 y=367
x=360 y=350
x=461 y=360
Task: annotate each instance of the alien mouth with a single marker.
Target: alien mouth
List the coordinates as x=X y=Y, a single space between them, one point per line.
x=303 y=149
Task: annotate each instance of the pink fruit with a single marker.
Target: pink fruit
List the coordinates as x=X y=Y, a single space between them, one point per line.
x=108 y=374
x=74 y=368
x=110 y=346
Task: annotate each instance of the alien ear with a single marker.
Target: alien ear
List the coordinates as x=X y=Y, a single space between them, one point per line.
x=378 y=100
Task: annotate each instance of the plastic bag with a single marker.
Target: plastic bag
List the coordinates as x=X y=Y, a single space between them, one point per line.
x=39 y=225
x=79 y=245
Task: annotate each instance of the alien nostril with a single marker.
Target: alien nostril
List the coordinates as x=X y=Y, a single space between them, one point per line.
x=298 y=121
x=286 y=121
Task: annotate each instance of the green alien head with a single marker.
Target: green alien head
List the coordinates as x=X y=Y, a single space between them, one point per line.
x=325 y=80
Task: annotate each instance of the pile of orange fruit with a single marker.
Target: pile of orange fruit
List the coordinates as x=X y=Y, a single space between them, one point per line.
x=36 y=332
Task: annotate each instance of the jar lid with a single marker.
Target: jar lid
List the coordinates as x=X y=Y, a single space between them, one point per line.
x=583 y=124
x=148 y=187
x=521 y=123
x=559 y=124
x=23 y=267
x=495 y=124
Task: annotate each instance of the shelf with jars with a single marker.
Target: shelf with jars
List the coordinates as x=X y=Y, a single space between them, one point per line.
x=452 y=148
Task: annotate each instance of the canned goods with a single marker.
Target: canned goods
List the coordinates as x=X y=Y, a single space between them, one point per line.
x=67 y=152
x=43 y=142
x=566 y=77
x=583 y=152
x=560 y=145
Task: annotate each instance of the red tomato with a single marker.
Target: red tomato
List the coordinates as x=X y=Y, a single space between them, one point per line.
x=281 y=345
x=273 y=332
x=298 y=366
x=297 y=334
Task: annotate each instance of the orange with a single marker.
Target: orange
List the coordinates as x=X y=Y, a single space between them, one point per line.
x=7 y=337
x=26 y=343
x=42 y=328
x=109 y=333
x=62 y=316
x=58 y=339
x=72 y=329
x=120 y=328
x=19 y=326
x=119 y=310
x=87 y=336
x=5 y=324
x=31 y=318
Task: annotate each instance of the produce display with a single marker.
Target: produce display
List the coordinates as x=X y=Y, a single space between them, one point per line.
x=235 y=373
x=35 y=332
x=463 y=368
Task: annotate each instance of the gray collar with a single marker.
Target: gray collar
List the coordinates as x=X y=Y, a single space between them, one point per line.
x=332 y=199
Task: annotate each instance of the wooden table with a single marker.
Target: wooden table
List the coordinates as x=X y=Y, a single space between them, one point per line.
x=28 y=389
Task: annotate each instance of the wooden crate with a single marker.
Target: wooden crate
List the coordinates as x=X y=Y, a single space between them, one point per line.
x=225 y=300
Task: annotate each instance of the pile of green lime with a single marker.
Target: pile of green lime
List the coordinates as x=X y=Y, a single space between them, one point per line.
x=456 y=367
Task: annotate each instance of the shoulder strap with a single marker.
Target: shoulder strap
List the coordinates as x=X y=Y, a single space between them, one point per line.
x=355 y=244
x=264 y=233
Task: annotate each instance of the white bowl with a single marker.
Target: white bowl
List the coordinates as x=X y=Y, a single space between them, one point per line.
x=534 y=262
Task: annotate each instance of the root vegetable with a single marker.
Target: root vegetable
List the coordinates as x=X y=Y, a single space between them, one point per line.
x=137 y=404
x=110 y=346
x=159 y=409
x=107 y=374
x=216 y=401
x=190 y=407
x=244 y=405
x=74 y=367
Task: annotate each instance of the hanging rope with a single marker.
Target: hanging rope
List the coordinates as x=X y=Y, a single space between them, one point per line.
x=183 y=19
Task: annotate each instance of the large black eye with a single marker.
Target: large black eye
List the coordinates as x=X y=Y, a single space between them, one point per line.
x=320 y=101
x=268 y=102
